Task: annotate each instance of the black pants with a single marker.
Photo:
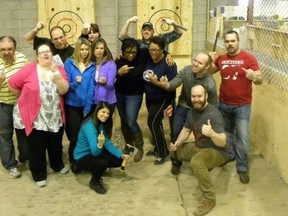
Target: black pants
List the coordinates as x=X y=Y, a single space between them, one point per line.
x=155 y=117
x=74 y=117
x=23 y=147
x=98 y=165
x=38 y=142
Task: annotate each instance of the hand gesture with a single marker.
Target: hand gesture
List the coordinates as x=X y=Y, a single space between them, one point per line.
x=125 y=69
x=101 y=139
x=102 y=80
x=78 y=79
x=207 y=129
x=249 y=73
x=132 y=19
x=40 y=25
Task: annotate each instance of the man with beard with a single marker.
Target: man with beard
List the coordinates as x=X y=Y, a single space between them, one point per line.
x=238 y=70
x=211 y=147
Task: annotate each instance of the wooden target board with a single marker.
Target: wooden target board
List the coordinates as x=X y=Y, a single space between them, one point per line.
x=179 y=10
x=69 y=14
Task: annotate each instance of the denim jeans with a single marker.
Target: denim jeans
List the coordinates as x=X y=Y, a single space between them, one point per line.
x=179 y=118
x=128 y=107
x=7 y=150
x=202 y=160
x=237 y=123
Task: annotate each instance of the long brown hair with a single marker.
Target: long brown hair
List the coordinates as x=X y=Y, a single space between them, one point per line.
x=107 y=56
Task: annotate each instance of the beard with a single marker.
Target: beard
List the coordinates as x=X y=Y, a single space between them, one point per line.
x=199 y=105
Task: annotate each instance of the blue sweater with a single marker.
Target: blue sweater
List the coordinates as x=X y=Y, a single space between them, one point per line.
x=88 y=140
x=80 y=94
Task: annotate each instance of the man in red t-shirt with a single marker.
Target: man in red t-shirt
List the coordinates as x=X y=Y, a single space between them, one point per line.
x=238 y=70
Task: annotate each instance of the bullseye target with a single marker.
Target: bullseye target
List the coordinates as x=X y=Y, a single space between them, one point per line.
x=160 y=26
x=70 y=21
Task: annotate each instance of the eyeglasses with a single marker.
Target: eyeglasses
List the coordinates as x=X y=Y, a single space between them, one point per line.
x=44 y=52
x=154 y=50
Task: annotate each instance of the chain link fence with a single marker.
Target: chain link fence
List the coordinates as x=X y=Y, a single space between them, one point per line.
x=263 y=30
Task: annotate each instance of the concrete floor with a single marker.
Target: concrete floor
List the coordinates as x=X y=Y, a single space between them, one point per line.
x=144 y=189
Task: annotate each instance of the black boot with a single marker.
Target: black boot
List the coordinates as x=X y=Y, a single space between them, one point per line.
x=139 y=142
x=97 y=185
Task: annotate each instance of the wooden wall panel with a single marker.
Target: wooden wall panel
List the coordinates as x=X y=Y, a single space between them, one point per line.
x=179 y=10
x=69 y=14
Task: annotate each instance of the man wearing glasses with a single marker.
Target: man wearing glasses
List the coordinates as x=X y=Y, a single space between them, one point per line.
x=59 y=46
x=10 y=63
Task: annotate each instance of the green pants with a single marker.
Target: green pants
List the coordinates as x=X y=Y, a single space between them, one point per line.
x=202 y=160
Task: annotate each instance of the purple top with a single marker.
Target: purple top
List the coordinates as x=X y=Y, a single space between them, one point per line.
x=106 y=92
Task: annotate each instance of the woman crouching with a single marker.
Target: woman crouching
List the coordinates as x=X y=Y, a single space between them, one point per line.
x=94 y=150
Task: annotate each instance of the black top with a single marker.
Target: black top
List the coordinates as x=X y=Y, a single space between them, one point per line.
x=63 y=53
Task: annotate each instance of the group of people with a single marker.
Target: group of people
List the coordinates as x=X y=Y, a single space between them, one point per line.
x=76 y=90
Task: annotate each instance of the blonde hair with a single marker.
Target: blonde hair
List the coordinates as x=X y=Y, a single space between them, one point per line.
x=76 y=54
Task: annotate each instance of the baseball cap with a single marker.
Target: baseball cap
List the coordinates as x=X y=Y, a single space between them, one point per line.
x=147 y=25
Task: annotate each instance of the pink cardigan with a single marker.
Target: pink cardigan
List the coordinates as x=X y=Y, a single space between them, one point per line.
x=26 y=80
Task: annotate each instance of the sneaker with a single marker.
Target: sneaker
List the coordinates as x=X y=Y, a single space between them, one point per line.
x=64 y=170
x=14 y=173
x=41 y=183
x=244 y=177
x=151 y=153
x=160 y=161
x=204 y=207
x=98 y=186
x=175 y=170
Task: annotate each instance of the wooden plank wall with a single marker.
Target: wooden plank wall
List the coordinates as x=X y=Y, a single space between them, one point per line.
x=179 y=10
x=69 y=14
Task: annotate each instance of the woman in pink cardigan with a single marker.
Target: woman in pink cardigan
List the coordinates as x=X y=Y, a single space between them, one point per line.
x=40 y=112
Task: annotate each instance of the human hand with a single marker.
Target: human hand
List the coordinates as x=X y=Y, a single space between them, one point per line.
x=78 y=79
x=164 y=81
x=169 y=60
x=168 y=21
x=132 y=19
x=102 y=80
x=207 y=129
x=101 y=139
x=40 y=25
x=125 y=156
x=173 y=146
x=212 y=55
x=168 y=111
x=249 y=73
x=125 y=69
x=86 y=28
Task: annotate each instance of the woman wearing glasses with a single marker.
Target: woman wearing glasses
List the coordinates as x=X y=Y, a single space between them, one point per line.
x=40 y=112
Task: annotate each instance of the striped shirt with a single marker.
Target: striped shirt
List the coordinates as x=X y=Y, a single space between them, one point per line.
x=6 y=96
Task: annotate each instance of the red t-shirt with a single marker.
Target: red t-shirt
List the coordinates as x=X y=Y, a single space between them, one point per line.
x=235 y=88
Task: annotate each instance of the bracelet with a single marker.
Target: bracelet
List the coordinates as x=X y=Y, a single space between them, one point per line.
x=99 y=147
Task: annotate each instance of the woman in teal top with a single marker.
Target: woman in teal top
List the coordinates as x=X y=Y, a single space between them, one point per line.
x=94 y=150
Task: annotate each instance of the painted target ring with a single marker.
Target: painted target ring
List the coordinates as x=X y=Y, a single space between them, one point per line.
x=70 y=21
x=159 y=25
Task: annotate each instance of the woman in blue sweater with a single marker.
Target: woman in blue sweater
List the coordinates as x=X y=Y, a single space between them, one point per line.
x=79 y=99
x=94 y=150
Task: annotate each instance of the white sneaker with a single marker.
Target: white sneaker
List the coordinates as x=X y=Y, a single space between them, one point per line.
x=41 y=183
x=14 y=173
x=64 y=170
